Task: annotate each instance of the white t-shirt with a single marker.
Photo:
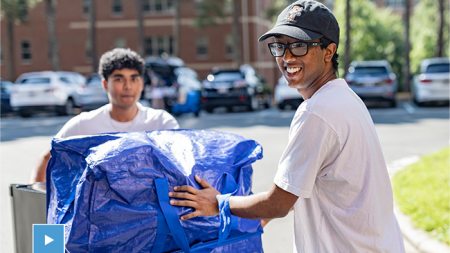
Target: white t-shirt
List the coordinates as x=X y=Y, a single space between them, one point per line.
x=99 y=121
x=334 y=163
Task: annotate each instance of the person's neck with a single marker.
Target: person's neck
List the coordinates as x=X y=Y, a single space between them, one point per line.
x=123 y=114
x=309 y=92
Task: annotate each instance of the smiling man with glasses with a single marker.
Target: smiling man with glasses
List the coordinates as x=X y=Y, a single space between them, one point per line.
x=332 y=172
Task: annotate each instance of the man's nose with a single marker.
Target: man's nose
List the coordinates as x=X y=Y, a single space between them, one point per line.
x=288 y=56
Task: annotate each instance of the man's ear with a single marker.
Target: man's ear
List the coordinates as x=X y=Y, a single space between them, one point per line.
x=330 y=50
x=105 y=84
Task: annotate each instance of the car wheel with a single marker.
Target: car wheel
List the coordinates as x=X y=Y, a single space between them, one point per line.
x=209 y=109
x=67 y=109
x=24 y=113
x=281 y=106
x=393 y=103
x=417 y=102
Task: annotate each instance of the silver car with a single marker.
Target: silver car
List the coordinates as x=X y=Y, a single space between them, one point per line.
x=286 y=97
x=91 y=95
x=432 y=83
x=373 y=81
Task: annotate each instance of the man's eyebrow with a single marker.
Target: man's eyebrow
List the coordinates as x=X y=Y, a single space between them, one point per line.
x=117 y=75
x=135 y=75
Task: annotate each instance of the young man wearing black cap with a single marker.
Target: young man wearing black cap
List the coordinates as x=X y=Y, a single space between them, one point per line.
x=332 y=172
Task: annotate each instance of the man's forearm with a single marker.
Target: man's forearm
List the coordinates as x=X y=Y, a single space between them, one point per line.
x=272 y=204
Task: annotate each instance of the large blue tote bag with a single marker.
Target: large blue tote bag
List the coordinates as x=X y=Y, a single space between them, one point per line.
x=111 y=191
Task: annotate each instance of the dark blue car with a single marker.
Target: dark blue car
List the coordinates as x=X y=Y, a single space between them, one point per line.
x=5 y=87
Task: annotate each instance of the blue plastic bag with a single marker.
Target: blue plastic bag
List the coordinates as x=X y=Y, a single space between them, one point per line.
x=111 y=190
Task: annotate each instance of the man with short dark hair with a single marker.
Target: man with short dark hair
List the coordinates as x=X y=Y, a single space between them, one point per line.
x=122 y=78
x=332 y=172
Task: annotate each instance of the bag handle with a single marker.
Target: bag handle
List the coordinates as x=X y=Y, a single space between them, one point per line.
x=172 y=219
x=229 y=186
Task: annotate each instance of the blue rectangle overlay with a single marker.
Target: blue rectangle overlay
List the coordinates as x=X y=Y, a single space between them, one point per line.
x=48 y=238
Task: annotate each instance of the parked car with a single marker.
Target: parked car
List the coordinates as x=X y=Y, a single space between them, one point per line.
x=373 y=81
x=234 y=87
x=91 y=95
x=285 y=96
x=160 y=80
x=432 y=83
x=5 y=87
x=46 y=91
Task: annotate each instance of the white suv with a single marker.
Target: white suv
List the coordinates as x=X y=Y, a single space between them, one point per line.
x=46 y=91
x=432 y=84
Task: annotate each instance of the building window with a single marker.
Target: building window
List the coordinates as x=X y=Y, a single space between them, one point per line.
x=202 y=47
x=171 y=41
x=160 y=44
x=148 y=46
x=157 y=5
x=26 y=50
x=120 y=43
x=229 y=46
x=86 y=6
x=117 y=7
x=145 y=4
x=156 y=46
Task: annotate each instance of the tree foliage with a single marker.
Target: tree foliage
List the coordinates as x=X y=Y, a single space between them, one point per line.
x=424 y=27
x=15 y=9
x=210 y=12
x=376 y=34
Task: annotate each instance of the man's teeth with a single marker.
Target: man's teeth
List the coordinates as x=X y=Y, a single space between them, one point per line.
x=291 y=70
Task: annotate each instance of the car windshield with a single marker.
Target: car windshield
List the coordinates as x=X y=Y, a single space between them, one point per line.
x=438 y=68
x=35 y=80
x=94 y=80
x=227 y=76
x=370 y=70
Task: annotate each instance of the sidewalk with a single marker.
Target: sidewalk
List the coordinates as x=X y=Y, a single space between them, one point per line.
x=419 y=239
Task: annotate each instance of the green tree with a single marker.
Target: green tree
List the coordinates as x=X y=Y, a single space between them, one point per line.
x=376 y=34
x=425 y=31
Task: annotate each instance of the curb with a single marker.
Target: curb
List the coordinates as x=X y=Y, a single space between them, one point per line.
x=418 y=238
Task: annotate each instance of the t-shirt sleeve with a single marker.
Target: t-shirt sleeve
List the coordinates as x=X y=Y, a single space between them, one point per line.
x=71 y=128
x=169 y=122
x=312 y=142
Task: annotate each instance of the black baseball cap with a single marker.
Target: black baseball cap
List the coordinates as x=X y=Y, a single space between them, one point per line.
x=305 y=20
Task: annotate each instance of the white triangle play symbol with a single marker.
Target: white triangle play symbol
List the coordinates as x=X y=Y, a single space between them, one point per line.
x=47 y=240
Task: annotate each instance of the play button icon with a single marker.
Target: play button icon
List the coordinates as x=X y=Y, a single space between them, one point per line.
x=48 y=238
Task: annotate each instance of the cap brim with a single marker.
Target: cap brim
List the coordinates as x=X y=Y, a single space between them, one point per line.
x=291 y=31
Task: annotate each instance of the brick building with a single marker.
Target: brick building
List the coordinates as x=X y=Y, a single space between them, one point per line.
x=201 y=48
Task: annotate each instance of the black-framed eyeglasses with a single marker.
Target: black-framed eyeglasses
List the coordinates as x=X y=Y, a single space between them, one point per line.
x=297 y=48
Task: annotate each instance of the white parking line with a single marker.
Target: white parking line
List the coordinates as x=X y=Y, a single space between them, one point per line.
x=409 y=108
